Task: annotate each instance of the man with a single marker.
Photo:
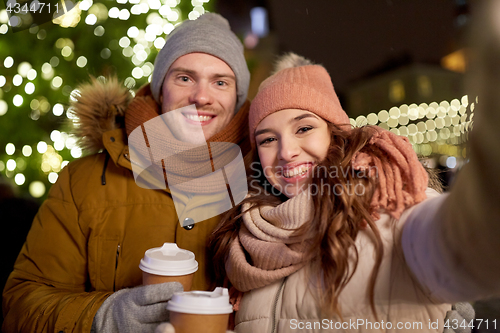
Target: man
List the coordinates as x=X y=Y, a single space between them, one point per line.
x=78 y=269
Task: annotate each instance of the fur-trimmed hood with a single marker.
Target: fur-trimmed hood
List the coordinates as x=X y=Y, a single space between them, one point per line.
x=98 y=106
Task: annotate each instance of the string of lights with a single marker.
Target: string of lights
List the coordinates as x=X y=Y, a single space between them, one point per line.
x=434 y=128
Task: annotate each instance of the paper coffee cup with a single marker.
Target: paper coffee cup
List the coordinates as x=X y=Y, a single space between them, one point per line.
x=200 y=311
x=168 y=264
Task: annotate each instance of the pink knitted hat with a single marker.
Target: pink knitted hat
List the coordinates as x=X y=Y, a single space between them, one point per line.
x=306 y=88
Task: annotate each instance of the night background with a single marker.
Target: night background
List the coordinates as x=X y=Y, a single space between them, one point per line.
x=398 y=64
x=381 y=54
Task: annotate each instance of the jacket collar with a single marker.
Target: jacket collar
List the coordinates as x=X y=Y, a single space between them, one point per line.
x=115 y=144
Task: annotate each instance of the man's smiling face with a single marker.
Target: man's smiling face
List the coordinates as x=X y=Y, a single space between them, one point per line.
x=208 y=83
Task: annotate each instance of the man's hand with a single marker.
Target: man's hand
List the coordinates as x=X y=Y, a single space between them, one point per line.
x=139 y=309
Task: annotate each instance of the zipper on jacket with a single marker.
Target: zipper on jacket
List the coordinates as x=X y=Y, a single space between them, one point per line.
x=103 y=176
x=116 y=264
x=117 y=255
x=275 y=306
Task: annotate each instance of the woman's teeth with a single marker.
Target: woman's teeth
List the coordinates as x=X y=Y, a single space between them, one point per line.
x=297 y=171
x=197 y=117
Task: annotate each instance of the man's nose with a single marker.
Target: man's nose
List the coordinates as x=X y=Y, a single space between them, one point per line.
x=289 y=149
x=201 y=94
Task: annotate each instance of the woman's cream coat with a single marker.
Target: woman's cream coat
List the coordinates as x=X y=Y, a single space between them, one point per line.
x=289 y=306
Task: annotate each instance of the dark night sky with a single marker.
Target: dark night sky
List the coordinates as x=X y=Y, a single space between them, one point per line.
x=353 y=37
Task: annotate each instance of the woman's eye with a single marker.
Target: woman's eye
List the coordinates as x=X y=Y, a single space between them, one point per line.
x=265 y=141
x=304 y=129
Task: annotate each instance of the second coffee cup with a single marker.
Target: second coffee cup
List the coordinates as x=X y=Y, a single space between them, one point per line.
x=168 y=263
x=200 y=311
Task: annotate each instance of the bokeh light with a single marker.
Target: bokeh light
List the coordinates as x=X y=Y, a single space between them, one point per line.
x=17 y=80
x=81 y=61
x=27 y=151
x=3 y=107
x=41 y=147
x=37 y=189
x=19 y=179
x=52 y=177
x=11 y=165
x=17 y=100
x=10 y=149
x=8 y=62
x=29 y=88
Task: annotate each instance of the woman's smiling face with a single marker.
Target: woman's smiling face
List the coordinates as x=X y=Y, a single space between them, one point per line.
x=290 y=143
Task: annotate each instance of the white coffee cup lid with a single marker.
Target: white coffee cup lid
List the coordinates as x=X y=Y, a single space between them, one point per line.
x=168 y=260
x=201 y=302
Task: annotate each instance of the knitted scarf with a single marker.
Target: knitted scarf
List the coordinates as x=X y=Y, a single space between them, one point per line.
x=266 y=235
x=186 y=161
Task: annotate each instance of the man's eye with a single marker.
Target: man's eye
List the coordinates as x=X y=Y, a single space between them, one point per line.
x=221 y=83
x=184 y=78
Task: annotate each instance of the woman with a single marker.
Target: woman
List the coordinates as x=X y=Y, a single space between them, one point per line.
x=319 y=244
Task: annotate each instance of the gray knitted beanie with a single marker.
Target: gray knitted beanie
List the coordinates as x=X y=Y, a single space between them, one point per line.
x=210 y=34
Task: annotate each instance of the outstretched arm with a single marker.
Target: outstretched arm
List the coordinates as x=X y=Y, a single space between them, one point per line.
x=452 y=243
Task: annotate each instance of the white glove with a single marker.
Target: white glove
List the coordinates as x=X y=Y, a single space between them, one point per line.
x=134 y=310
